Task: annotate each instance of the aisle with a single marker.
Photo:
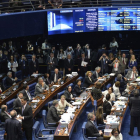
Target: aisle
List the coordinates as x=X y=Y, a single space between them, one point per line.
x=126 y=128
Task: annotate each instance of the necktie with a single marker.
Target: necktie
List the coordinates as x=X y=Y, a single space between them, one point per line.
x=133 y=76
x=115 y=66
x=29 y=96
x=55 y=78
x=123 y=61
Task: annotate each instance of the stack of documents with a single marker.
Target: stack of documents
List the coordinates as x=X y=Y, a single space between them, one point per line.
x=112 y=74
x=71 y=110
x=123 y=98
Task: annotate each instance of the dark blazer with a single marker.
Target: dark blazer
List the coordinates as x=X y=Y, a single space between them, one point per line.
x=58 y=76
x=77 y=90
x=96 y=93
x=13 y=129
x=22 y=64
x=27 y=122
x=47 y=81
x=52 y=116
x=69 y=65
x=80 y=61
x=25 y=94
x=67 y=95
x=55 y=53
x=9 y=81
x=91 y=130
x=3 y=116
x=135 y=106
x=107 y=107
x=87 y=82
x=95 y=76
x=16 y=105
x=33 y=67
x=86 y=53
x=54 y=63
x=78 y=53
x=101 y=51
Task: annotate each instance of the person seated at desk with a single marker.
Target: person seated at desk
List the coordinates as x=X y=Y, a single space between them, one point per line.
x=40 y=87
x=91 y=128
x=122 y=82
x=77 y=89
x=52 y=116
x=13 y=127
x=47 y=79
x=131 y=75
x=116 y=89
x=17 y=103
x=96 y=92
x=9 y=80
x=56 y=76
x=132 y=62
x=116 y=66
x=132 y=89
x=68 y=94
x=4 y=115
x=96 y=74
x=107 y=105
x=100 y=115
x=62 y=104
x=109 y=91
x=88 y=79
x=26 y=92
x=116 y=135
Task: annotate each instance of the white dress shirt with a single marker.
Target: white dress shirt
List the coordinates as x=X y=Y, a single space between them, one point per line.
x=116 y=65
x=119 y=137
x=8 y=114
x=116 y=91
x=112 y=96
x=113 y=44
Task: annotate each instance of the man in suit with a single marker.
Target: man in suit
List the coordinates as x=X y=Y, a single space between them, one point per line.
x=91 y=128
x=27 y=118
x=82 y=68
x=78 y=51
x=131 y=75
x=104 y=62
x=9 y=80
x=54 y=51
x=51 y=62
x=68 y=94
x=131 y=90
x=69 y=64
x=11 y=48
x=88 y=52
x=40 y=87
x=4 y=114
x=56 y=76
x=24 y=65
x=97 y=74
x=52 y=116
x=17 y=103
x=26 y=92
x=135 y=113
x=124 y=62
x=45 y=47
x=47 y=79
x=33 y=65
x=13 y=127
x=102 y=50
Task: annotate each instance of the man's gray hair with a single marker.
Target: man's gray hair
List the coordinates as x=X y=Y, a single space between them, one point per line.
x=97 y=68
x=55 y=102
x=119 y=77
x=40 y=78
x=9 y=73
x=68 y=54
x=90 y=115
x=13 y=114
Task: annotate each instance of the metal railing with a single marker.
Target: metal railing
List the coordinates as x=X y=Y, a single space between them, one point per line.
x=30 y=5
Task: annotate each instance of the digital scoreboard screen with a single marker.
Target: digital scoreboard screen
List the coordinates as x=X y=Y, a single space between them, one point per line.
x=93 y=19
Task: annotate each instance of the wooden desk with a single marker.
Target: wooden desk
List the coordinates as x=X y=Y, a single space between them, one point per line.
x=60 y=135
x=107 y=135
x=49 y=95
x=14 y=93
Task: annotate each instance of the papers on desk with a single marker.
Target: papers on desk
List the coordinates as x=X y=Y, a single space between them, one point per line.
x=74 y=73
x=138 y=79
x=123 y=98
x=71 y=110
x=101 y=80
x=108 y=130
x=77 y=103
x=112 y=74
x=89 y=88
x=65 y=118
x=135 y=84
x=56 y=85
x=35 y=75
x=69 y=75
x=83 y=63
x=24 y=82
x=35 y=101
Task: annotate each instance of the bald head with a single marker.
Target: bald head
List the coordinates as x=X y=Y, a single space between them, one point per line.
x=13 y=114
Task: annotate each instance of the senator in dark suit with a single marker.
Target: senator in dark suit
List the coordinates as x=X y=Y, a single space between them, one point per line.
x=104 y=62
x=33 y=65
x=107 y=105
x=52 y=116
x=82 y=69
x=56 y=76
x=135 y=113
x=78 y=51
x=77 y=89
x=47 y=79
x=51 y=62
x=91 y=128
x=9 y=80
x=68 y=94
x=26 y=92
x=17 y=103
x=13 y=127
x=4 y=115
x=69 y=64
x=96 y=74
x=88 y=79
x=27 y=118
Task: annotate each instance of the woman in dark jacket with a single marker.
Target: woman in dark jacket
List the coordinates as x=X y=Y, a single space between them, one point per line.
x=68 y=94
x=77 y=89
